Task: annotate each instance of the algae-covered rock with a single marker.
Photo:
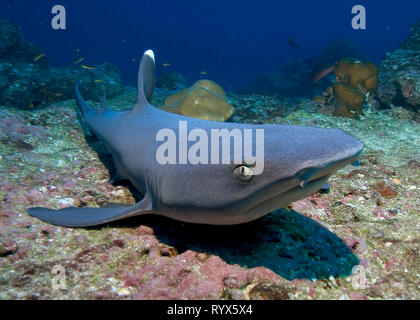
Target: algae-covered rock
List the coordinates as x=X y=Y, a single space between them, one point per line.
x=399 y=76
x=21 y=85
x=413 y=41
x=10 y=36
x=171 y=81
x=13 y=46
x=60 y=82
x=399 y=80
x=204 y=100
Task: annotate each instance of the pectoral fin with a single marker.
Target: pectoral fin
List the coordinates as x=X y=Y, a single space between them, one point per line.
x=86 y=217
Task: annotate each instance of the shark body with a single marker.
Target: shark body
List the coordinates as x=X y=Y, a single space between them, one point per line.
x=297 y=162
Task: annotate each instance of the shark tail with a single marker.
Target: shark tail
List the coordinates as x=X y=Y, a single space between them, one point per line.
x=83 y=106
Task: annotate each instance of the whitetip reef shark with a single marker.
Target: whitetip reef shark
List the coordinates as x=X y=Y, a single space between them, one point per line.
x=298 y=161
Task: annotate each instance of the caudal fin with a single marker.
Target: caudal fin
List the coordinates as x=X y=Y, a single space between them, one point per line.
x=83 y=106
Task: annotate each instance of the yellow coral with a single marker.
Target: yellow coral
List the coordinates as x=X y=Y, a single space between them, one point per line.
x=349 y=100
x=354 y=79
x=204 y=100
x=358 y=74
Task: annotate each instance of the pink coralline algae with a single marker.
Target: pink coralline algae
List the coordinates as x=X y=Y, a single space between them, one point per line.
x=14 y=126
x=193 y=275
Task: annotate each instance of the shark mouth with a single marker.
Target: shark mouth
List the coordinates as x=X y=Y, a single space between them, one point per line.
x=283 y=193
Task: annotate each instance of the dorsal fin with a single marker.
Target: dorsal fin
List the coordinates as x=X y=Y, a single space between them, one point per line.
x=146 y=80
x=104 y=107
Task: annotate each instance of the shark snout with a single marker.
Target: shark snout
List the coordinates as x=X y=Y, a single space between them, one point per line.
x=340 y=150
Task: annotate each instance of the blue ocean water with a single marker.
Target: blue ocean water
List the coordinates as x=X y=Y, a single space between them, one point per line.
x=232 y=41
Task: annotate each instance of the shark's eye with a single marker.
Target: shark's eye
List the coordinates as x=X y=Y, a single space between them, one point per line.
x=243 y=173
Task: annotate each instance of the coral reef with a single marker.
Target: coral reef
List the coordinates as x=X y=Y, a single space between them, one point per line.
x=171 y=81
x=399 y=79
x=369 y=218
x=359 y=241
x=295 y=78
x=26 y=81
x=413 y=41
x=204 y=100
x=14 y=46
x=399 y=76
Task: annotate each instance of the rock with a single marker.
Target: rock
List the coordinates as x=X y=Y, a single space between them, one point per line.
x=265 y=291
x=10 y=36
x=12 y=44
x=59 y=83
x=293 y=80
x=400 y=86
x=375 y=234
x=385 y=191
x=171 y=81
x=413 y=41
x=399 y=74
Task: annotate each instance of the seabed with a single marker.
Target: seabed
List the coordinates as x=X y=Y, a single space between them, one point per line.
x=360 y=241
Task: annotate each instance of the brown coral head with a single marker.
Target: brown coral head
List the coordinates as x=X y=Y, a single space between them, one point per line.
x=204 y=100
x=358 y=74
x=349 y=100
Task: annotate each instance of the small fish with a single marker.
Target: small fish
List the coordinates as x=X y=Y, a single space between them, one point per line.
x=88 y=67
x=323 y=73
x=39 y=56
x=291 y=42
x=166 y=64
x=98 y=81
x=79 y=60
x=203 y=72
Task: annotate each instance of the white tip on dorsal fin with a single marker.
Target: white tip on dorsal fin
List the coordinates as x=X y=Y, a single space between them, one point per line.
x=146 y=80
x=151 y=54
